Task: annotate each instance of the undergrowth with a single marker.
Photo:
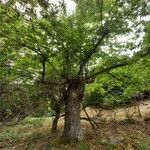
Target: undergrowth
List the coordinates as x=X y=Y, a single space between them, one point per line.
x=34 y=133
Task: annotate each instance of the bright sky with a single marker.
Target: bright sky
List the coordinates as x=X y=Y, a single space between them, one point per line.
x=71 y=5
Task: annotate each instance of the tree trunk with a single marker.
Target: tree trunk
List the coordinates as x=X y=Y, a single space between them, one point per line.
x=55 y=121
x=73 y=98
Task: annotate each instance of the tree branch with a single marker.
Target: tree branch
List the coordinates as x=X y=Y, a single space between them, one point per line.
x=90 y=121
x=103 y=70
x=94 y=50
x=50 y=34
x=138 y=56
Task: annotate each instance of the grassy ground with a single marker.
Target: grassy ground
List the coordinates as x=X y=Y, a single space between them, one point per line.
x=34 y=134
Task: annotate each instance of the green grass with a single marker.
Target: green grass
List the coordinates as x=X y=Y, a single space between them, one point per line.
x=22 y=130
x=36 y=122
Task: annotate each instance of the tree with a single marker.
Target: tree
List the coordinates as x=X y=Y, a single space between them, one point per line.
x=76 y=47
x=120 y=87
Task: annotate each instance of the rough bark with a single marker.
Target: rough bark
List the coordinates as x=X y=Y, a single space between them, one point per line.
x=73 y=99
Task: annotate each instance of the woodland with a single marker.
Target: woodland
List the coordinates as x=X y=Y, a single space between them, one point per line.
x=70 y=75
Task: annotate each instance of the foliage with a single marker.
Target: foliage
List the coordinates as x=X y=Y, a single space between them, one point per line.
x=121 y=86
x=44 y=49
x=20 y=101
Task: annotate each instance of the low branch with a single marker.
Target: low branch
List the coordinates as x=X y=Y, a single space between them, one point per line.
x=90 y=121
x=138 y=56
x=106 y=70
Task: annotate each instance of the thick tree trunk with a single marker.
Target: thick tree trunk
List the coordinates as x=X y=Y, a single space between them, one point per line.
x=55 y=121
x=73 y=98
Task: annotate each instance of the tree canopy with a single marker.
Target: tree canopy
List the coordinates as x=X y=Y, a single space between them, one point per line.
x=42 y=44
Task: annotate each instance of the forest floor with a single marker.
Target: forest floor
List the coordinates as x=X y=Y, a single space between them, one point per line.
x=117 y=131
